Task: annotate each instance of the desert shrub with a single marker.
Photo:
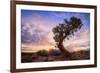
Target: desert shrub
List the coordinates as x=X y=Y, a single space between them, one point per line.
x=42 y=53
x=55 y=52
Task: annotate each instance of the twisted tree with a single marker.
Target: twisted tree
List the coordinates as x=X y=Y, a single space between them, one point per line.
x=66 y=31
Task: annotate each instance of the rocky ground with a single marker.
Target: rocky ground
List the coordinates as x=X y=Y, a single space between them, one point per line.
x=53 y=55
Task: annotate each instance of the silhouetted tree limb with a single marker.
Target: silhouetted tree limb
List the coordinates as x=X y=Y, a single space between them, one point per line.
x=66 y=30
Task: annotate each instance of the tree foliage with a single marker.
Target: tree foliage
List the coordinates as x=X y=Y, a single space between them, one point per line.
x=66 y=30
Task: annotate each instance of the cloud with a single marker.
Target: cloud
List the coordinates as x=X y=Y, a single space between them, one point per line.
x=36 y=30
x=80 y=42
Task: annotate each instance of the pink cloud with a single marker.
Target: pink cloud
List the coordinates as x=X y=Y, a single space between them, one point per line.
x=78 y=43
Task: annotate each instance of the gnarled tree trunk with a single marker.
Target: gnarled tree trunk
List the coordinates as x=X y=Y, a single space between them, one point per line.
x=62 y=49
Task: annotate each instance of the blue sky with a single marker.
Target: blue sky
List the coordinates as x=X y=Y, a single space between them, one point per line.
x=37 y=27
x=58 y=16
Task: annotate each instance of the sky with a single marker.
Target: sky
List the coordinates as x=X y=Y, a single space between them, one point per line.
x=36 y=30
